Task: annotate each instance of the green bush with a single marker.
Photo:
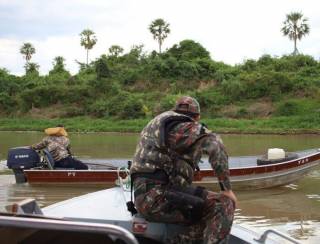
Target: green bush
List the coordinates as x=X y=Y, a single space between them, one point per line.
x=287 y=109
x=101 y=68
x=206 y=68
x=242 y=113
x=265 y=60
x=7 y=103
x=158 y=68
x=168 y=102
x=129 y=77
x=100 y=108
x=41 y=96
x=225 y=73
x=57 y=78
x=74 y=111
x=132 y=109
x=187 y=70
x=188 y=50
x=123 y=106
x=233 y=89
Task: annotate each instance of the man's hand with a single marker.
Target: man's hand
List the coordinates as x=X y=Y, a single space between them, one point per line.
x=231 y=195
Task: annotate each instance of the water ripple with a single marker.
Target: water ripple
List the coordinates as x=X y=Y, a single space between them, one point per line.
x=314 y=196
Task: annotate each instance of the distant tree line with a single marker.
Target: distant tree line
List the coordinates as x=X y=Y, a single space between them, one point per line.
x=137 y=84
x=295 y=27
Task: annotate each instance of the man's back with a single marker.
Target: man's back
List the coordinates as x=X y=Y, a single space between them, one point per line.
x=58 y=146
x=172 y=145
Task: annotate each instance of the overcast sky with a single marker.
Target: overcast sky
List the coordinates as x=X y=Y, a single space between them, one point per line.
x=231 y=30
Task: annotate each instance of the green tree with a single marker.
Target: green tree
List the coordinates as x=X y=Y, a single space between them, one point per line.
x=101 y=68
x=295 y=27
x=27 y=50
x=160 y=30
x=9 y=83
x=134 y=56
x=31 y=78
x=188 y=50
x=58 y=74
x=32 y=69
x=115 y=50
x=88 y=40
x=58 y=65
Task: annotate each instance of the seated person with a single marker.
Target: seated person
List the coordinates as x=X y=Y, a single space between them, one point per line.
x=58 y=144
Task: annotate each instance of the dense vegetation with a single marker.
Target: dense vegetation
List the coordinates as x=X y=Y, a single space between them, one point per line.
x=138 y=85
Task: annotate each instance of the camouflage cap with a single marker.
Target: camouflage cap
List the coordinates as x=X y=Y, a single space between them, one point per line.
x=187 y=104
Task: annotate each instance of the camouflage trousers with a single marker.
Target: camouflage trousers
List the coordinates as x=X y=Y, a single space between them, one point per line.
x=213 y=227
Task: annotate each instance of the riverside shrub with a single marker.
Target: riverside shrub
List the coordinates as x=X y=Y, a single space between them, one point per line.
x=288 y=108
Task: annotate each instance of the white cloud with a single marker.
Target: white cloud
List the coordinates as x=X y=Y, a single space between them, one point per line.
x=232 y=30
x=10 y=57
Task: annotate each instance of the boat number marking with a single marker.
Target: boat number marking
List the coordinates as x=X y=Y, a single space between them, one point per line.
x=71 y=173
x=22 y=156
x=303 y=161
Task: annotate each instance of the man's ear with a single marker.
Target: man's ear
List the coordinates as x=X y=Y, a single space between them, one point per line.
x=197 y=117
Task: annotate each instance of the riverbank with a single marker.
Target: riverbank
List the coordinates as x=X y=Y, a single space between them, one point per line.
x=275 y=125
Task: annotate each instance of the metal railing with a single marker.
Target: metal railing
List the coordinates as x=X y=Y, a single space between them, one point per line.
x=68 y=226
x=265 y=234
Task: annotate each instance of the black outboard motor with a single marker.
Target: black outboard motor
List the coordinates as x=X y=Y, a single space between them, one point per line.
x=21 y=158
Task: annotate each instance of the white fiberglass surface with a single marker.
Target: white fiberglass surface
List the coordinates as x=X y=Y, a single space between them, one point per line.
x=102 y=205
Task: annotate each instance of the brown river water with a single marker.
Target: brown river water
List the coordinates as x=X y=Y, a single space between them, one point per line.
x=293 y=209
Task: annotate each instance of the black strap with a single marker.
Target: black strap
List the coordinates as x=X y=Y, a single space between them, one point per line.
x=130 y=205
x=158 y=175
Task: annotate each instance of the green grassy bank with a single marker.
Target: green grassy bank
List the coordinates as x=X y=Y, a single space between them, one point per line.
x=276 y=125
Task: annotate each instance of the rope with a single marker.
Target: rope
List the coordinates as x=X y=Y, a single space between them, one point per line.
x=124 y=183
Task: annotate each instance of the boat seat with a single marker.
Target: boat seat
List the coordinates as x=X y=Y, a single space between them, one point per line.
x=49 y=159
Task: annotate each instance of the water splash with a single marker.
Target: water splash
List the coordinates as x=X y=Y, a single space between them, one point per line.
x=292 y=186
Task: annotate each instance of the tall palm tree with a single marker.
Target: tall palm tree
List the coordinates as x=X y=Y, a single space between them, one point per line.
x=27 y=50
x=295 y=27
x=88 y=40
x=160 y=30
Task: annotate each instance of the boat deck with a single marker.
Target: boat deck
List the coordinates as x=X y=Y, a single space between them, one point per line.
x=108 y=207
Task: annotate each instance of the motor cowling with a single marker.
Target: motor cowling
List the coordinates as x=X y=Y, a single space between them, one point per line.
x=22 y=158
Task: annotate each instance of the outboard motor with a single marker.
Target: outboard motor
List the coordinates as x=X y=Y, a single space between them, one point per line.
x=20 y=158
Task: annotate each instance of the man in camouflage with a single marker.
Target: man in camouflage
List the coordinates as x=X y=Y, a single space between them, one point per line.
x=166 y=157
x=58 y=145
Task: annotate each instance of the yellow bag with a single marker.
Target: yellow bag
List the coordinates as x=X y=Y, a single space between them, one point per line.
x=56 y=131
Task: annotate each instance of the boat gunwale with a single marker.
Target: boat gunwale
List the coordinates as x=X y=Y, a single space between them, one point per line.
x=116 y=170
x=260 y=177
x=274 y=164
x=201 y=170
x=241 y=174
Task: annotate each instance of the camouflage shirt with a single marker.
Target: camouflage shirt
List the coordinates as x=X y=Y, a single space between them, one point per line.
x=58 y=146
x=175 y=143
x=192 y=141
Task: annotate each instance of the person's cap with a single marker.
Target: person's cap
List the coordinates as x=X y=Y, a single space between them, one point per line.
x=187 y=105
